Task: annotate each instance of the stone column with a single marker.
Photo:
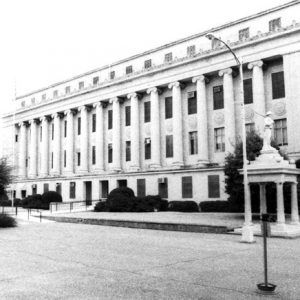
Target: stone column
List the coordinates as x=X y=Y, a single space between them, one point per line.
x=262 y=197
x=280 y=204
x=99 y=137
x=155 y=127
x=23 y=150
x=228 y=109
x=70 y=142
x=177 y=124
x=84 y=140
x=45 y=147
x=294 y=205
x=135 y=131
x=259 y=102
x=57 y=144
x=202 y=120
x=33 y=150
x=116 y=134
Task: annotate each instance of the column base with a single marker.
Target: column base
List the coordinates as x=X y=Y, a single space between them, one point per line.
x=55 y=174
x=296 y=223
x=116 y=169
x=247 y=234
x=280 y=227
x=82 y=172
x=68 y=173
x=202 y=163
x=99 y=170
x=32 y=176
x=155 y=166
x=177 y=164
x=134 y=168
x=43 y=175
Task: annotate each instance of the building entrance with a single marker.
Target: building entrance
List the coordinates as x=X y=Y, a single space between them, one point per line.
x=88 y=192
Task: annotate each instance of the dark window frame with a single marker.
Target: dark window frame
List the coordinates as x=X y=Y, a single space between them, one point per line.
x=141 y=187
x=147 y=112
x=94 y=122
x=128 y=115
x=169 y=146
x=110 y=119
x=218 y=97
x=147 y=148
x=187 y=187
x=169 y=107
x=248 y=91
x=192 y=104
x=278 y=85
x=213 y=184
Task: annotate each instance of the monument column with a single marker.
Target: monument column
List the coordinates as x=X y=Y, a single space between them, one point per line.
x=202 y=120
x=116 y=134
x=258 y=92
x=99 y=137
x=45 y=147
x=84 y=140
x=70 y=142
x=177 y=124
x=33 y=149
x=23 y=150
x=155 y=127
x=228 y=109
x=57 y=144
x=294 y=205
x=135 y=131
x=280 y=204
x=262 y=197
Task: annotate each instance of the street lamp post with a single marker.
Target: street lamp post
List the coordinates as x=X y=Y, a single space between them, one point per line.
x=247 y=230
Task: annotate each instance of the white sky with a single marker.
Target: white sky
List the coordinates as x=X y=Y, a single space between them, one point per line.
x=45 y=41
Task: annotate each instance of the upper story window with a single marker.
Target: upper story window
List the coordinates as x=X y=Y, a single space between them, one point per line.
x=112 y=74
x=44 y=97
x=244 y=34
x=128 y=151
x=147 y=148
x=110 y=119
x=147 y=112
x=191 y=50
x=280 y=132
x=193 y=142
x=128 y=70
x=81 y=85
x=168 y=108
x=248 y=93
x=218 y=97
x=250 y=127
x=275 y=24
x=192 y=103
x=33 y=100
x=65 y=128
x=79 y=126
x=16 y=138
x=94 y=122
x=278 y=88
x=127 y=115
x=169 y=146
x=147 y=63
x=55 y=94
x=67 y=89
x=168 y=57
x=96 y=80
x=219 y=135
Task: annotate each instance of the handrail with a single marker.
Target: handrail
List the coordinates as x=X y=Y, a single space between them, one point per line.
x=71 y=205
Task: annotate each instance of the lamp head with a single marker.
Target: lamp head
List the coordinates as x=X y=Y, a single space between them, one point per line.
x=210 y=36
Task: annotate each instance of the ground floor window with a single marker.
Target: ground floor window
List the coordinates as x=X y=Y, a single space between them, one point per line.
x=187 y=187
x=104 y=188
x=23 y=194
x=213 y=186
x=72 y=190
x=141 y=187
x=58 y=188
x=163 y=187
x=122 y=183
x=46 y=187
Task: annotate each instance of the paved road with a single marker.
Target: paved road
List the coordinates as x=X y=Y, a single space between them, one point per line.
x=74 y=261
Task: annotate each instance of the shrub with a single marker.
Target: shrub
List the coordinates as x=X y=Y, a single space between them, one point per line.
x=50 y=196
x=127 y=192
x=183 y=206
x=17 y=202
x=214 y=206
x=34 y=201
x=7 y=221
x=156 y=202
x=100 y=206
x=5 y=203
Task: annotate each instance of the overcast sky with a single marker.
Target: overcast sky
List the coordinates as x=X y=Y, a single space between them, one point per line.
x=45 y=41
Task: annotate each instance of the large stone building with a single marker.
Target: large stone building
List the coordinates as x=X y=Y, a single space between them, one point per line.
x=161 y=121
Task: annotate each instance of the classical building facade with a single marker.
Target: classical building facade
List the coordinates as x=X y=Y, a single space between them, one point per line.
x=160 y=122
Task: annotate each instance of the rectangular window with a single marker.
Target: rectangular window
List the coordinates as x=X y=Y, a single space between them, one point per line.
x=72 y=190
x=110 y=153
x=193 y=139
x=250 y=127
x=213 y=186
x=46 y=187
x=78 y=158
x=275 y=24
x=65 y=158
x=44 y=97
x=128 y=150
x=148 y=64
x=79 y=126
x=163 y=187
x=147 y=111
x=93 y=155
x=169 y=145
x=128 y=70
x=243 y=34
x=94 y=122
x=219 y=139
x=218 y=97
x=147 y=148
x=278 y=88
x=248 y=92
x=168 y=57
x=33 y=100
x=55 y=94
x=23 y=104
x=187 y=187
x=67 y=90
x=52 y=131
x=95 y=80
x=65 y=128
x=16 y=138
x=110 y=119
x=191 y=50
x=104 y=188
x=51 y=160
x=141 y=187
x=192 y=103
x=127 y=115
x=81 y=85
x=112 y=75
x=280 y=132
x=168 y=108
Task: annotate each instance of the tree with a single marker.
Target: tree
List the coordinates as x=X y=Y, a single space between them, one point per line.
x=234 y=186
x=5 y=176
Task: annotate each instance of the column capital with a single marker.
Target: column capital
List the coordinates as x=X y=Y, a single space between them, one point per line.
x=115 y=99
x=154 y=90
x=257 y=63
x=97 y=104
x=44 y=118
x=23 y=123
x=134 y=95
x=33 y=121
x=57 y=115
x=82 y=108
x=69 y=112
x=199 y=78
x=227 y=71
x=176 y=84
